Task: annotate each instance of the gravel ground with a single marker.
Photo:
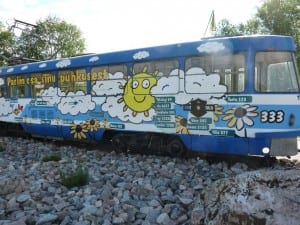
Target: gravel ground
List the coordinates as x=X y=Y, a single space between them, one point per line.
x=130 y=188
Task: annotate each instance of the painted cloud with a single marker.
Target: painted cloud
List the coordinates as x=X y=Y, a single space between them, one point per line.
x=194 y=84
x=52 y=95
x=94 y=59
x=141 y=55
x=5 y=107
x=211 y=47
x=63 y=63
x=10 y=70
x=111 y=86
x=43 y=65
x=166 y=85
x=199 y=85
x=24 y=67
x=76 y=103
x=108 y=87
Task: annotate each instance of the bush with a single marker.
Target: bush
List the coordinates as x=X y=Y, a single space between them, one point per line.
x=2 y=148
x=53 y=157
x=76 y=179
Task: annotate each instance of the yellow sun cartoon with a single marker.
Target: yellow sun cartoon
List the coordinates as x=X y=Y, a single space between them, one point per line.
x=137 y=95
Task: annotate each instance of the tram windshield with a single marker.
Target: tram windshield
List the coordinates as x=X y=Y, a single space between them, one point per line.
x=276 y=72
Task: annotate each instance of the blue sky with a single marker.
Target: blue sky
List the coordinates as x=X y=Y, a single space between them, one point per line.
x=110 y=25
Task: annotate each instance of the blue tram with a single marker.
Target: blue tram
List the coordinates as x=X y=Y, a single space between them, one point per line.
x=229 y=95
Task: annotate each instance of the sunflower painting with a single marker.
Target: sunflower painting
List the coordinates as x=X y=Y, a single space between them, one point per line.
x=240 y=116
x=79 y=131
x=93 y=124
x=217 y=111
x=181 y=125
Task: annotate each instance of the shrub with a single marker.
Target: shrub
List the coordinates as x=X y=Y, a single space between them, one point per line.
x=76 y=179
x=54 y=157
x=2 y=148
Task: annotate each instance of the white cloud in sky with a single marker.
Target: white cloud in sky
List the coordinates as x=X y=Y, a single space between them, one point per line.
x=118 y=24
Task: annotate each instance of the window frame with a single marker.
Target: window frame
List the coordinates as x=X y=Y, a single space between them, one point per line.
x=47 y=84
x=233 y=77
x=144 y=67
x=105 y=77
x=262 y=79
x=66 y=90
x=20 y=81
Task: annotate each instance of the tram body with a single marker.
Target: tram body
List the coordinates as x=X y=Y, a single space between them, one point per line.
x=229 y=95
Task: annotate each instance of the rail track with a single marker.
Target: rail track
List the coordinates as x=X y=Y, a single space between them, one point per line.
x=252 y=162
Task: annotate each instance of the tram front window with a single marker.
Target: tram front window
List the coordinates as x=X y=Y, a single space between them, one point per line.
x=276 y=72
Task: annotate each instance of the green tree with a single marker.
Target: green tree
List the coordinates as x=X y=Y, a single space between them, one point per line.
x=51 y=38
x=281 y=17
x=225 y=28
x=7 y=43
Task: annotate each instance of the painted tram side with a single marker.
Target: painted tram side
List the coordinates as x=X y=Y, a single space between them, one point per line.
x=230 y=95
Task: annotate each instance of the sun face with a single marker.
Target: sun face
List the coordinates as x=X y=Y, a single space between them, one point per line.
x=137 y=95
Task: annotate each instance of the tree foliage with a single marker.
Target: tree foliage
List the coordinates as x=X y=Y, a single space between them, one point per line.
x=51 y=38
x=6 y=42
x=280 y=17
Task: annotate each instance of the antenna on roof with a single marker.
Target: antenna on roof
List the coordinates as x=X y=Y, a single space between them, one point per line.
x=211 y=26
x=21 y=25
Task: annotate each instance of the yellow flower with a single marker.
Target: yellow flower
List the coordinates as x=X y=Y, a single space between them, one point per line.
x=218 y=111
x=181 y=125
x=93 y=124
x=240 y=116
x=79 y=131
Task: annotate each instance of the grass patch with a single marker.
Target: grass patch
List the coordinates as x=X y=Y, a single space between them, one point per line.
x=2 y=148
x=54 y=157
x=79 y=177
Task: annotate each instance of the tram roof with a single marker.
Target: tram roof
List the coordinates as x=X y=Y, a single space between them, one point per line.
x=205 y=46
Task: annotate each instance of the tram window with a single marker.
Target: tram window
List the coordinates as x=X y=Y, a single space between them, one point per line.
x=39 y=82
x=107 y=78
x=166 y=73
x=16 y=86
x=161 y=67
x=276 y=72
x=202 y=70
x=72 y=81
x=2 y=88
x=113 y=69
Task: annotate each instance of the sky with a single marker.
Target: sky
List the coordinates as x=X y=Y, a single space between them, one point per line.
x=112 y=25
